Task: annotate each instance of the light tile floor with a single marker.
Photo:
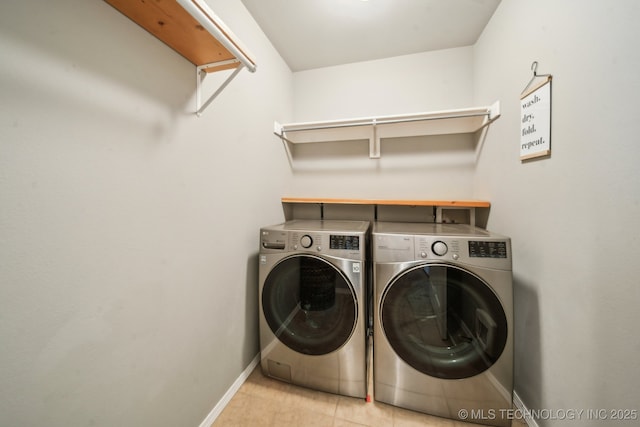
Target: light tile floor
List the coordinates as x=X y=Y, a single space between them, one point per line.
x=265 y=402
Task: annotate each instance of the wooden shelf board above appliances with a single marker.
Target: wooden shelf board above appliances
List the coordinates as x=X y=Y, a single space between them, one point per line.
x=473 y=212
x=391 y=202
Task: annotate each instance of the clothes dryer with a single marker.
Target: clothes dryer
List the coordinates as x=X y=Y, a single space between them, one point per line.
x=443 y=321
x=313 y=304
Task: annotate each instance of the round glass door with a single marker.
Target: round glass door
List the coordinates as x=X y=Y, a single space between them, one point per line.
x=309 y=305
x=444 y=321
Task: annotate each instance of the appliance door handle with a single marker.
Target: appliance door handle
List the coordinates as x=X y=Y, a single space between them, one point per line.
x=485 y=332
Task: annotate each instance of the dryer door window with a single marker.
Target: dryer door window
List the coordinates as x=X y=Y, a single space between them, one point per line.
x=309 y=305
x=444 y=321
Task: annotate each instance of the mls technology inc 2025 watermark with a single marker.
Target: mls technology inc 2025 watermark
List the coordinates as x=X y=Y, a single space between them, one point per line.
x=548 y=414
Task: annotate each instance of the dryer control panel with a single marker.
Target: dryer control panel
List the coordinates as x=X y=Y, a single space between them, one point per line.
x=487 y=249
x=435 y=242
x=485 y=252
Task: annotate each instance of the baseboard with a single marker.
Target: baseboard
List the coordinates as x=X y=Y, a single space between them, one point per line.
x=217 y=410
x=523 y=410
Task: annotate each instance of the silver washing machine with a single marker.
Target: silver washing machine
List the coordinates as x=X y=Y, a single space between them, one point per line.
x=313 y=304
x=443 y=321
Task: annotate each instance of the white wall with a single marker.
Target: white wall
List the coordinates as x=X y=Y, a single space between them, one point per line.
x=572 y=217
x=128 y=226
x=419 y=168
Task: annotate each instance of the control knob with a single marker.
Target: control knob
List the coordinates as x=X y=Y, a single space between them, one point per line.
x=306 y=241
x=439 y=248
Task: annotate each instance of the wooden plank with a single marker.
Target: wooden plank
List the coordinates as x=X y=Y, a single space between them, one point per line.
x=536 y=155
x=221 y=67
x=173 y=25
x=444 y=203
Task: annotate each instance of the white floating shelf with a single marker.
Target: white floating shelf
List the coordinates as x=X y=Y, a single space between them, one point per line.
x=466 y=120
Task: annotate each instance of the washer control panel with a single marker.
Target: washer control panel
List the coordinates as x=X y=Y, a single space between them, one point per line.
x=339 y=244
x=340 y=239
x=337 y=241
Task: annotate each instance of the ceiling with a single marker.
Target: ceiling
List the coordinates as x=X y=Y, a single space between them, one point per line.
x=319 y=33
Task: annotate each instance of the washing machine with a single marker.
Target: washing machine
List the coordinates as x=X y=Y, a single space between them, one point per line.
x=313 y=304
x=443 y=320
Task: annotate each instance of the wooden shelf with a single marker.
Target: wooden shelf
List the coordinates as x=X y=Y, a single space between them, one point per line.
x=473 y=212
x=173 y=25
x=467 y=120
x=388 y=202
x=192 y=29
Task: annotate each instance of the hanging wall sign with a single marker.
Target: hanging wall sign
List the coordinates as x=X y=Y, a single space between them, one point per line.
x=535 y=115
